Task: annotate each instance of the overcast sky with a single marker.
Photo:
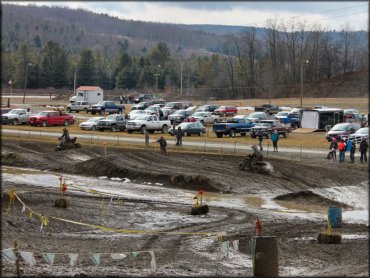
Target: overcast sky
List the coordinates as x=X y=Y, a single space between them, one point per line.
x=331 y=15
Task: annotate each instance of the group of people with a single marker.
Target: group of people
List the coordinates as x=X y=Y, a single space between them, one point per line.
x=344 y=146
x=163 y=143
x=274 y=139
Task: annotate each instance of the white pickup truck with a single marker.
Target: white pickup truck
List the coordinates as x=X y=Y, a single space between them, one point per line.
x=150 y=123
x=78 y=106
x=15 y=116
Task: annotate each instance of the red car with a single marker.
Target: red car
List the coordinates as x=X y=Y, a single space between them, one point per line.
x=46 y=118
x=226 y=110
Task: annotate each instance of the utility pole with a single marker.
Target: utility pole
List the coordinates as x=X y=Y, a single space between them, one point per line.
x=181 y=79
x=302 y=81
x=74 y=84
x=25 y=82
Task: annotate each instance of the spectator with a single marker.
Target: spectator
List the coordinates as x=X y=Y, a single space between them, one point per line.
x=179 y=137
x=334 y=146
x=120 y=99
x=342 y=150
x=363 y=150
x=275 y=139
x=163 y=144
x=348 y=145
x=352 y=152
x=260 y=139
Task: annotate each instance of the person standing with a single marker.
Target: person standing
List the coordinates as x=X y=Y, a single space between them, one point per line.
x=342 y=150
x=363 y=150
x=275 y=139
x=334 y=146
x=163 y=144
x=260 y=139
x=352 y=152
x=179 y=136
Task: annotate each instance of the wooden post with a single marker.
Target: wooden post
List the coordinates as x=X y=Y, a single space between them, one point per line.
x=268 y=146
x=16 y=245
x=300 y=155
x=146 y=140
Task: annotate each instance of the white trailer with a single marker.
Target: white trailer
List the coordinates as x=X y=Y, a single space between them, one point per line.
x=319 y=119
x=91 y=94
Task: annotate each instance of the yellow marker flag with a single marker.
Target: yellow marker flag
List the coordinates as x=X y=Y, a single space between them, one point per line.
x=30 y=215
x=329 y=226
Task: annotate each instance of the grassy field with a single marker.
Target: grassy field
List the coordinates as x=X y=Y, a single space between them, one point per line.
x=312 y=140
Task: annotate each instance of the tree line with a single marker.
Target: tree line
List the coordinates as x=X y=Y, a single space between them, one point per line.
x=249 y=66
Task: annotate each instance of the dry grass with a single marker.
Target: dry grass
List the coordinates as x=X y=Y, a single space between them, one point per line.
x=312 y=140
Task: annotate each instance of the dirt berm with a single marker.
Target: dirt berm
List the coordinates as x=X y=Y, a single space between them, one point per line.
x=186 y=170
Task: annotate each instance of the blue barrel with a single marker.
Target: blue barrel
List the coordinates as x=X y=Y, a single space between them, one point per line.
x=335 y=217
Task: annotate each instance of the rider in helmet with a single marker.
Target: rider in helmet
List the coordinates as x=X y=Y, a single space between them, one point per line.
x=65 y=135
x=257 y=155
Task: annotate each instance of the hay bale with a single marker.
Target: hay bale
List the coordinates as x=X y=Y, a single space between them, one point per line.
x=61 y=203
x=333 y=238
x=199 y=210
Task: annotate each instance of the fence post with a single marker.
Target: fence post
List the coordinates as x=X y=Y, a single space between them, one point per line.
x=90 y=138
x=235 y=147
x=268 y=147
x=117 y=139
x=205 y=141
x=300 y=155
x=221 y=152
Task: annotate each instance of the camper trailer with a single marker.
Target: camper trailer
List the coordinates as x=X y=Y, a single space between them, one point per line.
x=321 y=119
x=91 y=94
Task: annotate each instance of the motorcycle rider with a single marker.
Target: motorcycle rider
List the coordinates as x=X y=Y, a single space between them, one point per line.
x=257 y=155
x=65 y=135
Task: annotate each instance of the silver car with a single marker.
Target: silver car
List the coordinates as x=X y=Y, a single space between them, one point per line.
x=359 y=134
x=90 y=124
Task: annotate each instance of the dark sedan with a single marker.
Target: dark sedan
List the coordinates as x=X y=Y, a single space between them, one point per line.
x=189 y=129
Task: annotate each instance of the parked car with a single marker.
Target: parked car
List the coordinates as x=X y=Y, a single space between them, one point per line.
x=106 y=106
x=141 y=106
x=153 y=110
x=267 y=127
x=226 y=110
x=359 y=135
x=46 y=118
x=90 y=124
x=78 y=106
x=204 y=118
x=268 y=109
x=144 y=123
x=114 y=122
x=342 y=130
x=353 y=116
x=294 y=119
x=179 y=116
x=238 y=124
x=281 y=115
x=257 y=116
x=160 y=105
x=144 y=97
x=15 y=117
x=208 y=108
x=135 y=113
x=189 y=129
x=171 y=107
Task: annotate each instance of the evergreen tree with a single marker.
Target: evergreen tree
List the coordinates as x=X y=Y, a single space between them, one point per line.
x=86 y=69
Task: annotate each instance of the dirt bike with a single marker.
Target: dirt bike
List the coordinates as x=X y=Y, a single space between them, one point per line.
x=66 y=144
x=249 y=163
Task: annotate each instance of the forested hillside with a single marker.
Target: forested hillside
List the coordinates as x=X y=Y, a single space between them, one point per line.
x=44 y=47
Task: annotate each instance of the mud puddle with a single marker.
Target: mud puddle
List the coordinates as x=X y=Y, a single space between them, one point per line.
x=301 y=204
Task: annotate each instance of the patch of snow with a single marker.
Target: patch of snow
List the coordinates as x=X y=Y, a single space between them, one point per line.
x=116 y=179
x=79 y=157
x=356 y=216
x=103 y=177
x=350 y=237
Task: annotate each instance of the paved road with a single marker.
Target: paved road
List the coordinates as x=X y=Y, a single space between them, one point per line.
x=115 y=137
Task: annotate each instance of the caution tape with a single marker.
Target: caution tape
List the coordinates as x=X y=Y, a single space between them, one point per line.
x=45 y=220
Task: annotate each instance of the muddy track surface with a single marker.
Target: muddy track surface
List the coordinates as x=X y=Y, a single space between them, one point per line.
x=188 y=254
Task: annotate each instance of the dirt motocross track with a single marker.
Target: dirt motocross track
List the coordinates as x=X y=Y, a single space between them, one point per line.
x=178 y=254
